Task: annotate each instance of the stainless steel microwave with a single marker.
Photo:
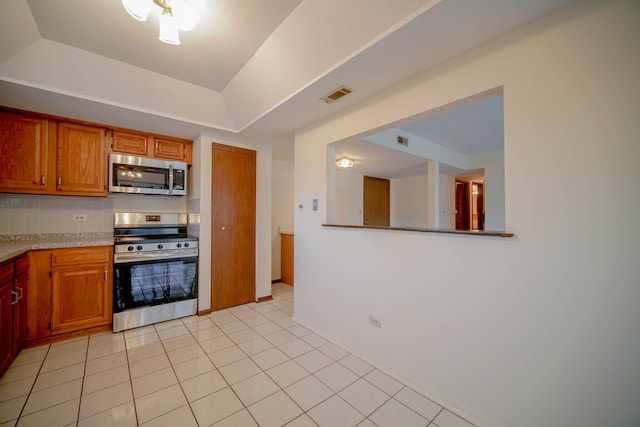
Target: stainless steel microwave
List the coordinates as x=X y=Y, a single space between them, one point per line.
x=142 y=175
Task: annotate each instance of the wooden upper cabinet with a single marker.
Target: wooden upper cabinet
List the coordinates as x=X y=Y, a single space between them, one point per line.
x=81 y=160
x=42 y=154
x=23 y=153
x=130 y=143
x=153 y=146
x=168 y=149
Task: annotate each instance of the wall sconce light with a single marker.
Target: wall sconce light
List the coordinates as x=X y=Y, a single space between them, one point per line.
x=344 y=163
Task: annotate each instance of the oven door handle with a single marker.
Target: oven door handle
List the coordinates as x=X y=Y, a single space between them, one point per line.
x=154 y=255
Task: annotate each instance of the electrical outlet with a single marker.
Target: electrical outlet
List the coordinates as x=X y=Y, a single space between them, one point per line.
x=79 y=217
x=375 y=322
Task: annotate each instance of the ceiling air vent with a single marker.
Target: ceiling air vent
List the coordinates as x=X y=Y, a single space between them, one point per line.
x=336 y=94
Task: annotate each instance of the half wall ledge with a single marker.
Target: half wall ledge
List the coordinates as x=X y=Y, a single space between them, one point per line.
x=428 y=230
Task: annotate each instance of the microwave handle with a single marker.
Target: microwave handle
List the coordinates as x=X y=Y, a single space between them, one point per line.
x=171 y=178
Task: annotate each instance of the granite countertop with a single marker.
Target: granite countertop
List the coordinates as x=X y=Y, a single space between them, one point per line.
x=17 y=244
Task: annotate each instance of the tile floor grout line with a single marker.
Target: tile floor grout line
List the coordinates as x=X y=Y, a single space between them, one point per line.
x=24 y=405
x=133 y=397
x=180 y=382
x=84 y=374
x=261 y=371
x=277 y=315
x=439 y=412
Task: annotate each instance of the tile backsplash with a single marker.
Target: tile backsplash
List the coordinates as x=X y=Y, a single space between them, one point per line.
x=28 y=214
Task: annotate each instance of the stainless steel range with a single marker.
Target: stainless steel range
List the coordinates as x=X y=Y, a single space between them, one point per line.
x=155 y=269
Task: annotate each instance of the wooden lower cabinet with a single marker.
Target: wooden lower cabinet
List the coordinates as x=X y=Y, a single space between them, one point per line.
x=6 y=325
x=286 y=258
x=80 y=297
x=13 y=309
x=20 y=286
x=71 y=290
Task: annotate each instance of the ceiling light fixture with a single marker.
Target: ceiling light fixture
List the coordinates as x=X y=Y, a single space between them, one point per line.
x=344 y=163
x=176 y=15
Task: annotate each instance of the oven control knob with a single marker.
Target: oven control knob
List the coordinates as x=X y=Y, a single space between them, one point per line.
x=130 y=248
x=139 y=247
x=186 y=245
x=160 y=246
x=179 y=245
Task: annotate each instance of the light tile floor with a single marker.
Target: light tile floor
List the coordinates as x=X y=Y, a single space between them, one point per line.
x=250 y=365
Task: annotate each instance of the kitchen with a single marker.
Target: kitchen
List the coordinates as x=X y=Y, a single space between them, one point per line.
x=90 y=220
x=536 y=330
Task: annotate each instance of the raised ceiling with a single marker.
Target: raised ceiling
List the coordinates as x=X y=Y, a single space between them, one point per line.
x=251 y=69
x=210 y=55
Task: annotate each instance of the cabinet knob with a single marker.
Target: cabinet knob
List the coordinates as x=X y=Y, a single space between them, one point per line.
x=59 y=180
x=42 y=180
x=222 y=228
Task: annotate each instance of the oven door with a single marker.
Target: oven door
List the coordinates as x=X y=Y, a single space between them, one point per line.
x=153 y=282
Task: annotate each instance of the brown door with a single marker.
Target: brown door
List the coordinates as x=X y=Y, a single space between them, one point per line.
x=233 y=224
x=376 y=203
x=480 y=205
x=462 y=206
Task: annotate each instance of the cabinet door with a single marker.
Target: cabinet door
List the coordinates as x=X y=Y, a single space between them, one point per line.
x=81 y=297
x=6 y=325
x=20 y=312
x=39 y=296
x=168 y=149
x=286 y=258
x=81 y=160
x=129 y=143
x=23 y=153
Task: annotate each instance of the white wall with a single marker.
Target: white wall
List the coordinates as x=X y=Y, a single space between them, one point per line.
x=408 y=202
x=349 y=197
x=281 y=211
x=447 y=202
x=537 y=330
x=494 y=196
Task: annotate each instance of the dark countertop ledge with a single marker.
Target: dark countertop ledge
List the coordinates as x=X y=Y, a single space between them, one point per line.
x=479 y=233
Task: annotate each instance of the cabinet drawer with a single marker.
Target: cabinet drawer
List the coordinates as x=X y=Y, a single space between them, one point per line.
x=6 y=273
x=22 y=265
x=80 y=256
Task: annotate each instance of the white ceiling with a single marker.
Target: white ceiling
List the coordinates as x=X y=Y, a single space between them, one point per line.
x=209 y=56
x=251 y=69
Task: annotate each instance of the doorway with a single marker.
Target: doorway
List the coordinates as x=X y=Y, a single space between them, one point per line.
x=462 y=205
x=233 y=226
x=477 y=206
